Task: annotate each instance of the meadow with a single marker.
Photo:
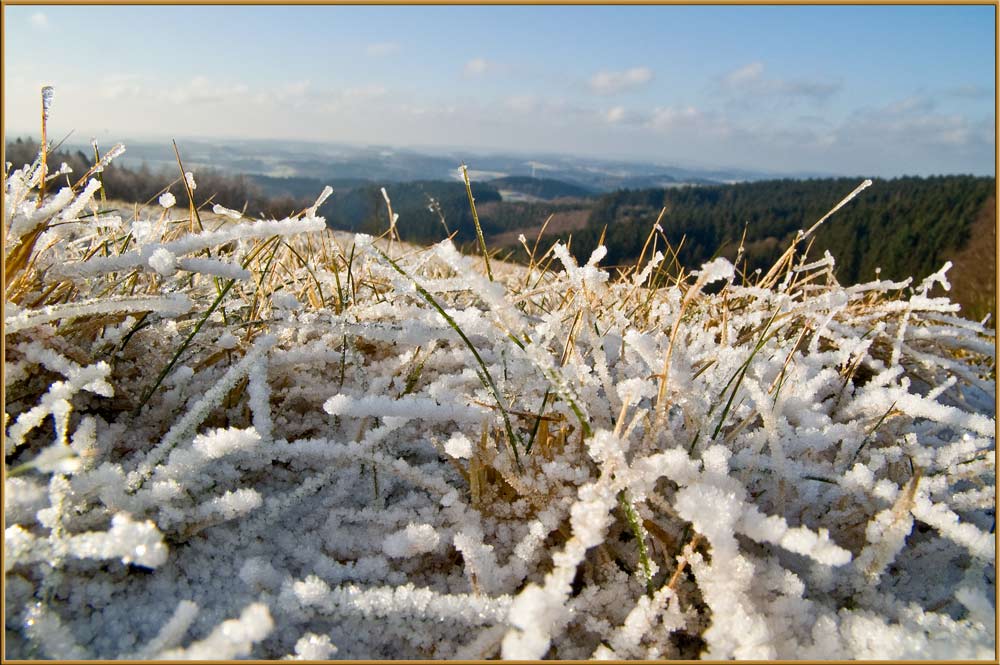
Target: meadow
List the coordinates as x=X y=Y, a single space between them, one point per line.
x=232 y=437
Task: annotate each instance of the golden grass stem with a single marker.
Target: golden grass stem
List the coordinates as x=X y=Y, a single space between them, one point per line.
x=475 y=219
x=43 y=155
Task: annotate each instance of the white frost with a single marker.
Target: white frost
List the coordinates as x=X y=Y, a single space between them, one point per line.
x=414 y=539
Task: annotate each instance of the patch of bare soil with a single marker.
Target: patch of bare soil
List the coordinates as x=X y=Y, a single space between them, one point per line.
x=561 y=222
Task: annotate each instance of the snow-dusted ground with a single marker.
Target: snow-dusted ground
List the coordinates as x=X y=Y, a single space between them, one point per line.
x=369 y=450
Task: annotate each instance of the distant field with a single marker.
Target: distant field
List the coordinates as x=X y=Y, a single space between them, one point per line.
x=562 y=222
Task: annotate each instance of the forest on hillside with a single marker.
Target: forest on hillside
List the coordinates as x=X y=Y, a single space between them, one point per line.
x=902 y=227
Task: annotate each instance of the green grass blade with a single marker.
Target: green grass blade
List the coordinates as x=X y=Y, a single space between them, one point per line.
x=635 y=524
x=184 y=345
x=742 y=372
x=871 y=433
x=483 y=372
x=198 y=326
x=538 y=420
x=475 y=219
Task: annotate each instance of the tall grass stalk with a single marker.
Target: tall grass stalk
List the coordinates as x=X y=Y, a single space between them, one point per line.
x=475 y=220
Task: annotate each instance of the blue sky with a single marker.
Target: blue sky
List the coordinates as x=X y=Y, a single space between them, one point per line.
x=859 y=90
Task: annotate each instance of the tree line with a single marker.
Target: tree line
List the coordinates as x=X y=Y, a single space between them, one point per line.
x=905 y=226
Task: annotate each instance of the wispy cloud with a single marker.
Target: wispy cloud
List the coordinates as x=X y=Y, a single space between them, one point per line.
x=609 y=83
x=477 y=67
x=908 y=106
x=969 y=91
x=746 y=75
x=667 y=119
x=373 y=91
x=911 y=122
x=615 y=114
x=201 y=90
x=750 y=81
x=39 y=20
x=382 y=49
x=522 y=103
x=120 y=86
x=197 y=90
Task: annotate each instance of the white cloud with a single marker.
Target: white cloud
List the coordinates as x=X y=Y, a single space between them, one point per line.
x=201 y=90
x=747 y=74
x=447 y=111
x=608 y=83
x=615 y=115
x=912 y=104
x=522 y=103
x=382 y=49
x=477 y=67
x=669 y=118
x=749 y=81
x=120 y=86
x=373 y=91
x=39 y=20
x=295 y=89
x=970 y=91
x=212 y=92
x=664 y=120
x=911 y=122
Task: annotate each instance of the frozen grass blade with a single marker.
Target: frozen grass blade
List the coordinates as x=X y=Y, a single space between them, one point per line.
x=197 y=328
x=413 y=376
x=47 y=93
x=870 y=434
x=192 y=209
x=312 y=274
x=100 y=175
x=482 y=372
x=639 y=533
x=184 y=345
x=538 y=420
x=475 y=219
x=741 y=373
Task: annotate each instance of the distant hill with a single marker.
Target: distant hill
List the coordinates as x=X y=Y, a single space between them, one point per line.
x=141 y=183
x=545 y=189
x=298 y=187
x=665 y=180
x=428 y=210
x=332 y=161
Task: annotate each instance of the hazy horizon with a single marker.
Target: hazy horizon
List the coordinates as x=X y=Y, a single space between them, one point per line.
x=79 y=140
x=839 y=90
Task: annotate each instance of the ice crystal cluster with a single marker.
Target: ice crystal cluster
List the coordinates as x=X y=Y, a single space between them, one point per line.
x=230 y=438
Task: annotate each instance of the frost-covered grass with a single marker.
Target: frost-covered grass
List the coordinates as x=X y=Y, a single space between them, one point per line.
x=230 y=437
